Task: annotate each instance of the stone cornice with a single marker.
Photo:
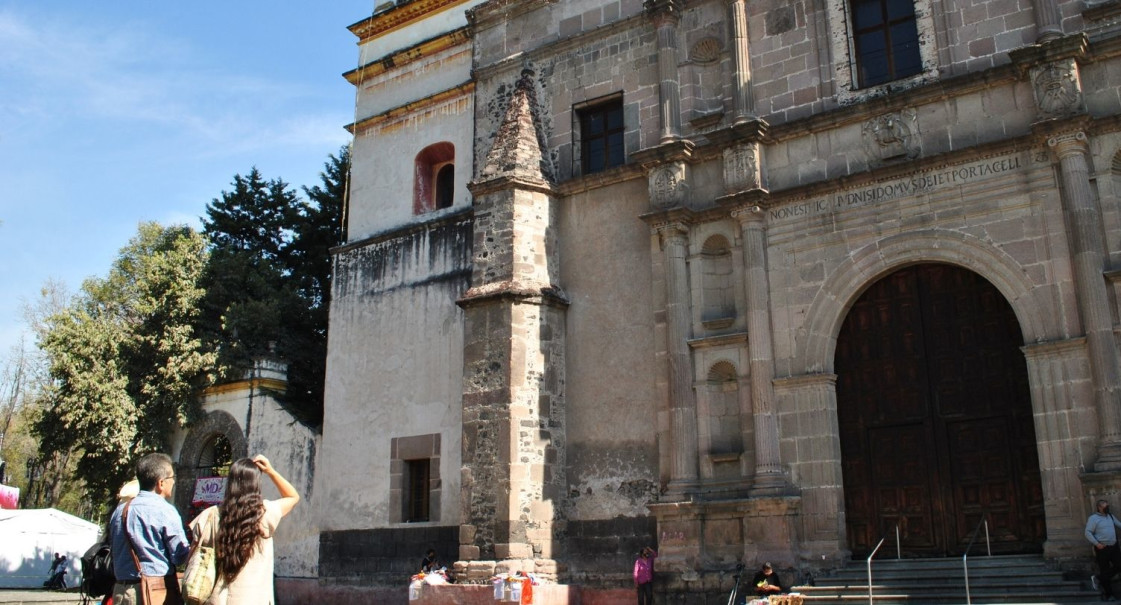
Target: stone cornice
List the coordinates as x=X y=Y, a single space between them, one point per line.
x=400 y=58
x=511 y=292
x=672 y=151
x=744 y=201
x=463 y=90
x=612 y=176
x=461 y=216
x=1103 y=10
x=494 y=11
x=1076 y=46
x=723 y=340
x=484 y=186
x=399 y=16
x=671 y=216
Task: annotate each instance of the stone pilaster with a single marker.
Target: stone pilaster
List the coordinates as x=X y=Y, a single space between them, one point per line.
x=666 y=14
x=812 y=436
x=683 y=408
x=1061 y=394
x=769 y=479
x=1088 y=254
x=513 y=357
x=743 y=103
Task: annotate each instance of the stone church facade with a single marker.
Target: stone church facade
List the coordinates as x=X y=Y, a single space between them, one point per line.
x=739 y=281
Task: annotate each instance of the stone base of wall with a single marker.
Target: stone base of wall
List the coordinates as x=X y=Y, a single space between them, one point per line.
x=292 y=591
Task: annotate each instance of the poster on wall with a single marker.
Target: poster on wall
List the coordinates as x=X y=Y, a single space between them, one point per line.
x=9 y=497
x=208 y=491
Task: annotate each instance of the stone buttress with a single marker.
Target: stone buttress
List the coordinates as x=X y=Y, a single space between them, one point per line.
x=513 y=359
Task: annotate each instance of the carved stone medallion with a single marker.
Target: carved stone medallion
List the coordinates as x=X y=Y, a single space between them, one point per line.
x=1058 y=89
x=741 y=168
x=668 y=185
x=892 y=136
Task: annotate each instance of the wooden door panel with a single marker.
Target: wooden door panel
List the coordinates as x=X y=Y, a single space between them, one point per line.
x=935 y=415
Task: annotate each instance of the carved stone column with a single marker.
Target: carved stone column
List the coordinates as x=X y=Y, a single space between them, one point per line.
x=1048 y=21
x=683 y=407
x=666 y=14
x=769 y=479
x=743 y=103
x=1088 y=250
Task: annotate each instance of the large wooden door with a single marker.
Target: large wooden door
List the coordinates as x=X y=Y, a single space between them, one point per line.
x=935 y=416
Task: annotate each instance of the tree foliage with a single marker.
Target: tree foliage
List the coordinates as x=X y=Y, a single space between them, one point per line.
x=125 y=362
x=268 y=280
x=127 y=357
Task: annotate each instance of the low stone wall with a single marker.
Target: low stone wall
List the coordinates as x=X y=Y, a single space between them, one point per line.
x=382 y=557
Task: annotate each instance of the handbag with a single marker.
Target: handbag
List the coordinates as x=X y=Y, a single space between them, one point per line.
x=154 y=590
x=201 y=572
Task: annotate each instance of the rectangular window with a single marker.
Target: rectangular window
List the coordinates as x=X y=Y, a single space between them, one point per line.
x=886 y=39
x=601 y=136
x=416 y=490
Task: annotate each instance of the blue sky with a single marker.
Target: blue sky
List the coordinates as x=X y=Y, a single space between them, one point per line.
x=117 y=112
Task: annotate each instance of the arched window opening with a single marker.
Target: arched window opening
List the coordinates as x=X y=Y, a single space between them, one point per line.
x=434 y=178
x=215 y=459
x=445 y=183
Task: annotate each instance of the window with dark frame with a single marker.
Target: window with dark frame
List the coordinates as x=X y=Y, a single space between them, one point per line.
x=601 y=136
x=416 y=490
x=445 y=186
x=886 y=40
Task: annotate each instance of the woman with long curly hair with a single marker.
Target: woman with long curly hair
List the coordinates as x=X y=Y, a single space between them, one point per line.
x=246 y=524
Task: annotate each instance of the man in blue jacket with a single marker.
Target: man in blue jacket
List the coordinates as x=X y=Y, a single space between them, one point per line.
x=155 y=533
x=1101 y=531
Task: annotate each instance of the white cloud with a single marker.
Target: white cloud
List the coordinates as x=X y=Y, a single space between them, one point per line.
x=64 y=73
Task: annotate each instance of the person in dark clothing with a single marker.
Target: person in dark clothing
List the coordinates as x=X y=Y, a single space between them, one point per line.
x=430 y=562
x=767 y=582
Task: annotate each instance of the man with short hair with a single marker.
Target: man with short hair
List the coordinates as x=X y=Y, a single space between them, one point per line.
x=1101 y=531
x=156 y=532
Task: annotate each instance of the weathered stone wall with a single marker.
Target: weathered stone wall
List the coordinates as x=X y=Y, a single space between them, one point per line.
x=613 y=400
x=394 y=366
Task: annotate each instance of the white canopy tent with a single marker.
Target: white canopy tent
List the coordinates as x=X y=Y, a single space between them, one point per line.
x=30 y=537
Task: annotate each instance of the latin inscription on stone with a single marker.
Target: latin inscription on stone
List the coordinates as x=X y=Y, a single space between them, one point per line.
x=923 y=182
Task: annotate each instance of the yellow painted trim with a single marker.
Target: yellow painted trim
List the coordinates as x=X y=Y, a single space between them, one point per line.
x=462 y=90
x=401 y=16
x=408 y=55
x=271 y=384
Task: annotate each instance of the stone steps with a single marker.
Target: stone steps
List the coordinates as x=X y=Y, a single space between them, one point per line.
x=999 y=579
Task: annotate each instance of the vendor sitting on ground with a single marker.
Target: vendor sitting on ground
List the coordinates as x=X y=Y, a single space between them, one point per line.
x=767 y=582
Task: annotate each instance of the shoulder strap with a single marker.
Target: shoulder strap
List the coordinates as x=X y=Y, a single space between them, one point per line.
x=128 y=538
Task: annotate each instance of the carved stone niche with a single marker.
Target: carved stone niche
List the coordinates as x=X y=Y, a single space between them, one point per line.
x=1058 y=89
x=892 y=136
x=741 y=168
x=669 y=185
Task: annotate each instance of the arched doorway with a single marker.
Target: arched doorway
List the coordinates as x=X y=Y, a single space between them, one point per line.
x=935 y=416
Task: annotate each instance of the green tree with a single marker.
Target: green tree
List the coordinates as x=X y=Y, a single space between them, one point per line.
x=124 y=360
x=268 y=280
x=319 y=229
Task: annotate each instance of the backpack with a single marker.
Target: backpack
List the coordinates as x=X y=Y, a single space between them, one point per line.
x=97 y=570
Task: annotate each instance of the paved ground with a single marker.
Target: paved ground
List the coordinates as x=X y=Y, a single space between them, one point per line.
x=11 y=596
